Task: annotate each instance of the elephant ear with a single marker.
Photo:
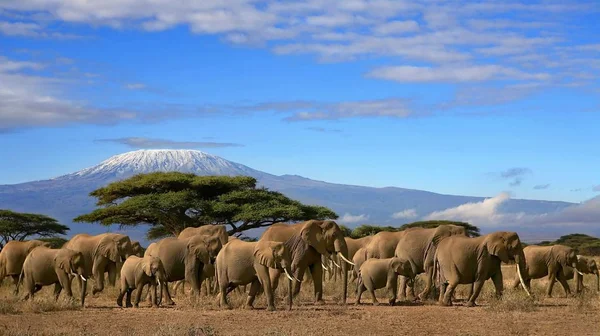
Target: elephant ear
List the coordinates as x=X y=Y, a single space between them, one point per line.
x=146 y=265
x=312 y=234
x=498 y=248
x=265 y=253
x=108 y=248
x=62 y=260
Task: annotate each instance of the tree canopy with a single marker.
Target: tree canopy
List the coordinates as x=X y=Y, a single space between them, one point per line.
x=472 y=230
x=55 y=242
x=368 y=230
x=585 y=245
x=170 y=202
x=19 y=226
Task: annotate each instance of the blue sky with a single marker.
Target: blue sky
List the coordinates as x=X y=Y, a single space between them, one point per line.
x=457 y=97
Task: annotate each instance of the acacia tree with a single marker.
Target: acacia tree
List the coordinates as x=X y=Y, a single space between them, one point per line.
x=170 y=202
x=19 y=226
x=472 y=230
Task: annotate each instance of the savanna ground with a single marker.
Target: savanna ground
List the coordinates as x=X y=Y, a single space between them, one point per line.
x=515 y=314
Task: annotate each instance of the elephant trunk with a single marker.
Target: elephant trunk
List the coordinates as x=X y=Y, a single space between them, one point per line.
x=578 y=277
x=342 y=250
x=83 y=290
x=521 y=267
x=290 y=292
x=597 y=281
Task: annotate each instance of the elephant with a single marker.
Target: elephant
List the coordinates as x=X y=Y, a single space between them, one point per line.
x=465 y=260
x=184 y=259
x=379 y=273
x=307 y=241
x=102 y=253
x=219 y=231
x=13 y=256
x=418 y=246
x=240 y=263
x=138 y=272
x=353 y=246
x=45 y=266
x=551 y=261
x=585 y=266
x=358 y=259
x=137 y=249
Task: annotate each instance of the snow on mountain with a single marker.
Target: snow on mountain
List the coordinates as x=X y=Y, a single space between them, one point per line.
x=157 y=160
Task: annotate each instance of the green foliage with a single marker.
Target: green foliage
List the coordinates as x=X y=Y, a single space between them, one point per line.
x=585 y=245
x=346 y=231
x=55 y=242
x=19 y=226
x=170 y=202
x=369 y=230
x=472 y=230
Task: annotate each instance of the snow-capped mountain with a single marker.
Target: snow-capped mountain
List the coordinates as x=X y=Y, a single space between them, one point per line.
x=161 y=160
x=66 y=197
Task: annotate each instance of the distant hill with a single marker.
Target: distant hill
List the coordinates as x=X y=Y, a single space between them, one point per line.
x=66 y=197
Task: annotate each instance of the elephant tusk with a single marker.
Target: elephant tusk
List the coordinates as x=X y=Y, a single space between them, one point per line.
x=325 y=268
x=288 y=275
x=333 y=261
x=521 y=280
x=344 y=259
x=82 y=277
x=158 y=280
x=579 y=272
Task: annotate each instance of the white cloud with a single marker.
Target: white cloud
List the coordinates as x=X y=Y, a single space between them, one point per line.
x=452 y=74
x=135 y=86
x=149 y=143
x=408 y=213
x=478 y=213
x=351 y=219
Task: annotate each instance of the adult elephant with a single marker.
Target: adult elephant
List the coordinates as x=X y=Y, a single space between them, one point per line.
x=464 y=260
x=13 y=256
x=102 y=253
x=240 y=263
x=551 y=262
x=212 y=230
x=45 y=266
x=585 y=266
x=184 y=259
x=307 y=241
x=418 y=246
x=353 y=246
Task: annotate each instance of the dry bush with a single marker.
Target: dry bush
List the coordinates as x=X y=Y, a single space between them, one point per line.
x=511 y=300
x=177 y=330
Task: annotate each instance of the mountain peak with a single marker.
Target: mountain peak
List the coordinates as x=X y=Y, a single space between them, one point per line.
x=153 y=160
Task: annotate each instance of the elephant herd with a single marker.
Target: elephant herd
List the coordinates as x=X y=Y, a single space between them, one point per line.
x=446 y=256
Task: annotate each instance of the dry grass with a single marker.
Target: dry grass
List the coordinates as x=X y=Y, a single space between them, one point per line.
x=203 y=316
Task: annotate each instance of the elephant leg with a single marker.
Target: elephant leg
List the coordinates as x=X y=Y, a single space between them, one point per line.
x=564 y=283
x=317 y=275
x=263 y=277
x=254 y=288
x=551 y=279
x=128 y=298
x=402 y=290
x=122 y=292
x=274 y=275
x=138 y=295
x=477 y=289
x=57 y=290
x=167 y=294
x=297 y=285
x=360 y=289
x=225 y=290
x=111 y=268
x=447 y=295
x=373 y=297
x=428 y=281
x=15 y=279
x=392 y=288
x=98 y=285
x=65 y=283
x=176 y=287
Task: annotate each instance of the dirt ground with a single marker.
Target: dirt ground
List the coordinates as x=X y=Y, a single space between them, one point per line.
x=516 y=314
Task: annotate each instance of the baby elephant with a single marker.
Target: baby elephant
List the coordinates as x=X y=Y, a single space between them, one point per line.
x=135 y=274
x=379 y=273
x=45 y=266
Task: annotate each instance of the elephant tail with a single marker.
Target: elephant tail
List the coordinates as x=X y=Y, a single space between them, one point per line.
x=21 y=275
x=2 y=268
